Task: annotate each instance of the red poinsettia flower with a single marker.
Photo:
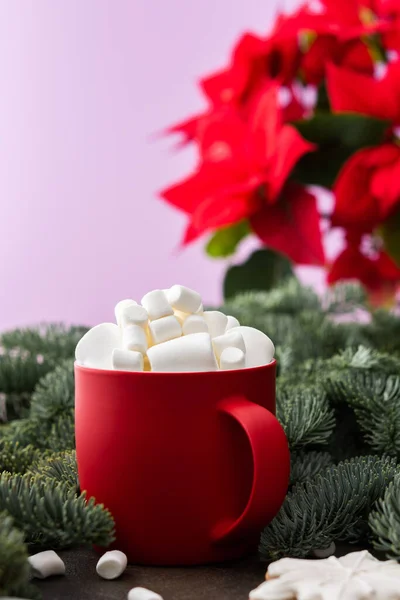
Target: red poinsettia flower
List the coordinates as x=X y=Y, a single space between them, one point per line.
x=354 y=92
x=367 y=190
x=353 y=54
x=379 y=274
x=255 y=61
x=243 y=169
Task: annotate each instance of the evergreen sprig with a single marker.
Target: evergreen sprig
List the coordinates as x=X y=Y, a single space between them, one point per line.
x=335 y=505
x=305 y=415
x=306 y=465
x=51 y=514
x=14 y=566
x=385 y=521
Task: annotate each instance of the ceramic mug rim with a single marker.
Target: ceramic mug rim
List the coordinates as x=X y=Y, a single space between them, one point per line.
x=154 y=374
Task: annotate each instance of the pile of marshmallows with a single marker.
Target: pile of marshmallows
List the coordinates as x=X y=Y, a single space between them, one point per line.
x=170 y=332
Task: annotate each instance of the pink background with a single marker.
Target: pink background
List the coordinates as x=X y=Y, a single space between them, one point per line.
x=84 y=85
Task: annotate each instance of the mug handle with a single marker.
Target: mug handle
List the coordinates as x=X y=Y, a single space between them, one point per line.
x=271 y=467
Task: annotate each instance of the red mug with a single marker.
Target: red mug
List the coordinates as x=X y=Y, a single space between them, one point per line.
x=191 y=465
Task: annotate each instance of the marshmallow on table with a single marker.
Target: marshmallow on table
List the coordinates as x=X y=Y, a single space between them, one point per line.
x=134 y=314
x=230 y=339
x=95 y=348
x=183 y=299
x=121 y=306
x=194 y=324
x=187 y=353
x=232 y=358
x=164 y=329
x=216 y=322
x=157 y=305
x=259 y=348
x=232 y=322
x=140 y=593
x=134 y=338
x=45 y=564
x=127 y=360
x=112 y=564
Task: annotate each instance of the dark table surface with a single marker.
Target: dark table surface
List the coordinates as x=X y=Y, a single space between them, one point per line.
x=232 y=581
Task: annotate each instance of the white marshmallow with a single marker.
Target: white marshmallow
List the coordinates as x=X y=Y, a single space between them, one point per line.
x=232 y=358
x=121 y=306
x=140 y=593
x=216 y=322
x=181 y=316
x=184 y=299
x=165 y=329
x=200 y=310
x=230 y=339
x=134 y=338
x=127 y=360
x=259 y=348
x=45 y=564
x=112 y=564
x=188 y=353
x=194 y=324
x=232 y=322
x=134 y=314
x=156 y=304
x=95 y=348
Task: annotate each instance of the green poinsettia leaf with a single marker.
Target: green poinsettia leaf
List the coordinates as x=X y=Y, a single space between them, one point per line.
x=390 y=232
x=224 y=241
x=348 y=130
x=321 y=167
x=262 y=271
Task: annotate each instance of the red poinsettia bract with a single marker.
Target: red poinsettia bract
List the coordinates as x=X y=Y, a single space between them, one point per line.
x=379 y=274
x=367 y=191
x=242 y=173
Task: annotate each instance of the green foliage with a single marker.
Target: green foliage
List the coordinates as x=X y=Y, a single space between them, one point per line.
x=262 y=271
x=306 y=465
x=50 y=424
x=224 y=241
x=16 y=458
x=60 y=467
x=14 y=566
x=27 y=355
x=337 y=136
x=51 y=514
x=391 y=236
x=349 y=130
x=385 y=521
x=333 y=506
x=305 y=415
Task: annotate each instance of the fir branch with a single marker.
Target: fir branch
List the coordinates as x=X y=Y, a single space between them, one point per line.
x=54 y=393
x=333 y=506
x=305 y=415
x=289 y=298
x=50 y=514
x=27 y=432
x=52 y=341
x=62 y=433
x=385 y=521
x=306 y=465
x=383 y=332
x=20 y=374
x=16 y=458
x=343 y=298
x=60 y=467
x=14 y=565
x=375 y=397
